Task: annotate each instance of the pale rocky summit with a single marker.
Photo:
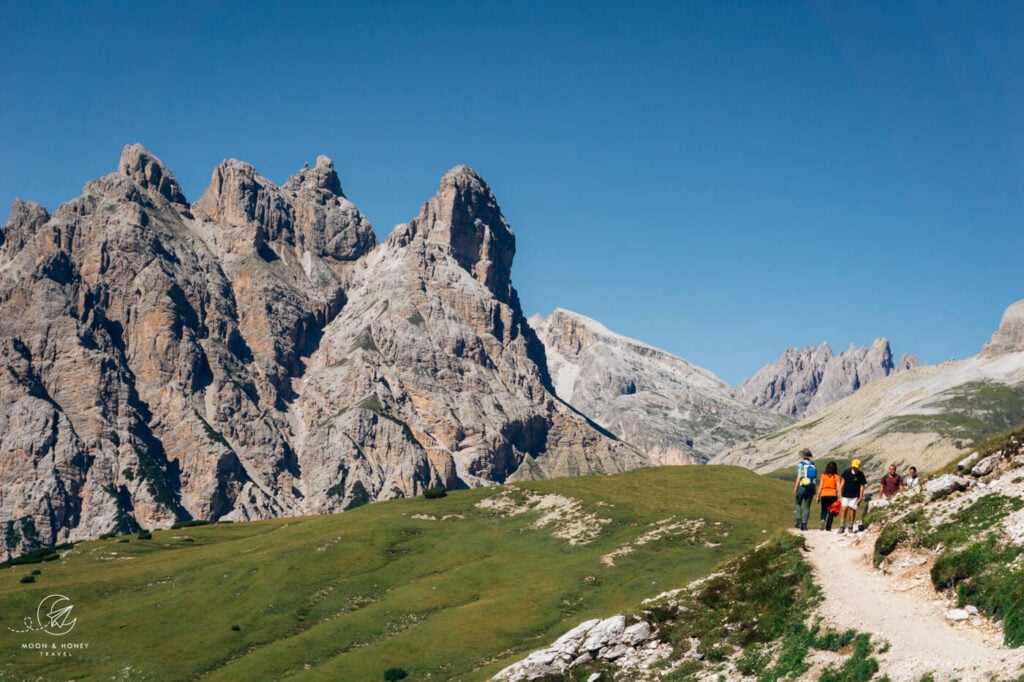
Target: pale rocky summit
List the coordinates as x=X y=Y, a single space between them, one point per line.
x=258 y=354
x=805 y=381
x=675 y=412
x=1009 y=338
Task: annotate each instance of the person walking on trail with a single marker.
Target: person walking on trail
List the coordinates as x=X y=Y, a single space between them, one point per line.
x=911 y=480
x=804 y=487
x=890 y=484
x=828 y=493
x=851 y=493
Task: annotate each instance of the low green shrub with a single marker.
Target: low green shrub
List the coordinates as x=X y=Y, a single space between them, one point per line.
x=859 y=667
x=28 y=579
x=38 y=555
x=145 y=535
x=892 y=535
x=392 y=674
x=190 y=524
x=436 y=492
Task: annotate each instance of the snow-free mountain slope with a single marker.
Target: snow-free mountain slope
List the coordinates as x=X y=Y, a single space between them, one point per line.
x=675 y=412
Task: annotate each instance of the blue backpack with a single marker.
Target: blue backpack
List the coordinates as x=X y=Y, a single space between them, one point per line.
x=807 y=472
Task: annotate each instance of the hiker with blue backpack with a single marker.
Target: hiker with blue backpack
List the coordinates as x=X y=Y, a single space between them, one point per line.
x=804 y=487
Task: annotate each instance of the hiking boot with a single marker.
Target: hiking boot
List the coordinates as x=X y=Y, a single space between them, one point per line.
x=821 y=525
x=798 y=524
x=842 y=529
x=861 y=528
x=803 y=526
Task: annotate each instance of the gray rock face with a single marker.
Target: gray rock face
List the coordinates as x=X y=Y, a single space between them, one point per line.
x=258 y=354
x=1009 y=338
x=804 y=382
x=675 y=412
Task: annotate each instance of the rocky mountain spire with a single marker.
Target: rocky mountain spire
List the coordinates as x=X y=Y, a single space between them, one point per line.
x=26 y=217
x=149 y=173
x=321 y=180
x=465 y=215
x=1009 y=338
x=805 y=381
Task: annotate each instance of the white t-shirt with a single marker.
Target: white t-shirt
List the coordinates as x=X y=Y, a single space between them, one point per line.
x=910 y=482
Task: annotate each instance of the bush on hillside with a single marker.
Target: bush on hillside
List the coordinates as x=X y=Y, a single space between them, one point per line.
x=38 y=556
x=190 y=524
x=392 y=674
x=436 y=492
x=359 y=496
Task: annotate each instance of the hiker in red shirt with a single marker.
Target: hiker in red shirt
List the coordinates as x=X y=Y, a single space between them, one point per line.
x=891 y=484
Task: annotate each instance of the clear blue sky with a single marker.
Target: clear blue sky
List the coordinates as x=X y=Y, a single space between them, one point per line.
x=719 y=179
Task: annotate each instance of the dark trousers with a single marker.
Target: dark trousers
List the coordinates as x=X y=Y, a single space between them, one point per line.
x=804 y=497
x=826 y=502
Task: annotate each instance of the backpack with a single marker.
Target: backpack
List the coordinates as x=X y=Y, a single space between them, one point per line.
x=807 y=472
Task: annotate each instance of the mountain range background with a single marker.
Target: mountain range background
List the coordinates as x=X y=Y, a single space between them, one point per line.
x=720 y=172
x=257 y=353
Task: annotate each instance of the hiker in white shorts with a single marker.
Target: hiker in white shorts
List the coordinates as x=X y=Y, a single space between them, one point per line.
x=850 y=495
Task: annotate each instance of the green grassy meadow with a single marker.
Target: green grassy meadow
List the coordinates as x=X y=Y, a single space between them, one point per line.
x=348 y=596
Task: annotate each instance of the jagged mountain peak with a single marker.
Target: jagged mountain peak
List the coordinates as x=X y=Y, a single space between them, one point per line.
x=143 y=168
x=806 y=380
x=321 y=179
x=464 y=215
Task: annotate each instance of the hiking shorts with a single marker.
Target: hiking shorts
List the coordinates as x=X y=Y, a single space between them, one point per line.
x=849 y=503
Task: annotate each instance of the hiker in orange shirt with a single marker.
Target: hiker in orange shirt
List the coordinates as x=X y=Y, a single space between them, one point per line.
x=828 y=492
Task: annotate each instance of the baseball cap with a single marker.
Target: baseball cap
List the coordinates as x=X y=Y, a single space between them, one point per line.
x=856 y=464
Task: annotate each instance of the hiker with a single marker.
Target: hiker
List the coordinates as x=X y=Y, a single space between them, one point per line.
x=804 y=486
x=828 y=493
x=851 y=493
x=911 y=480
x=890 y=484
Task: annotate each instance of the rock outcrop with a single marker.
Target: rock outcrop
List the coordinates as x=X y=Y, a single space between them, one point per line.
x=805 y=381
x=1009 y=338
x=258 y=354
x=675 y=412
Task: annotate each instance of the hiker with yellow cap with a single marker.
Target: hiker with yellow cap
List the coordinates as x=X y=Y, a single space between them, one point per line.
x=853 y=483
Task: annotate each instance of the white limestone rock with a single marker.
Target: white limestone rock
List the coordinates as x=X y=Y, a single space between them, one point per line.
x=945 y=485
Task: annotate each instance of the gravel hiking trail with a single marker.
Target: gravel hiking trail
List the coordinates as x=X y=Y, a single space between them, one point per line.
x=899 y=607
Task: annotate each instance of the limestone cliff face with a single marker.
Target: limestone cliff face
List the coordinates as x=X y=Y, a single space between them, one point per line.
x=258 y=354
x=1009 y=338
x=675 y=412
x=430 y=373
x=805 y=381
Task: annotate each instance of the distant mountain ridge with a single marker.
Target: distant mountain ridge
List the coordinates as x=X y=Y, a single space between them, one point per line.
x=675 y=412
x=921 y=417
x=805 y=381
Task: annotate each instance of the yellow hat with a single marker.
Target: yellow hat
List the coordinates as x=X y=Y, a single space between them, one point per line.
x=856 y=464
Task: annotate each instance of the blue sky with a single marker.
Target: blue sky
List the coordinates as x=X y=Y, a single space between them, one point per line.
x=719 y=179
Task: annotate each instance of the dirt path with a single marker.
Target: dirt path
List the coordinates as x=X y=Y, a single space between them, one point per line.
x=900 y=607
